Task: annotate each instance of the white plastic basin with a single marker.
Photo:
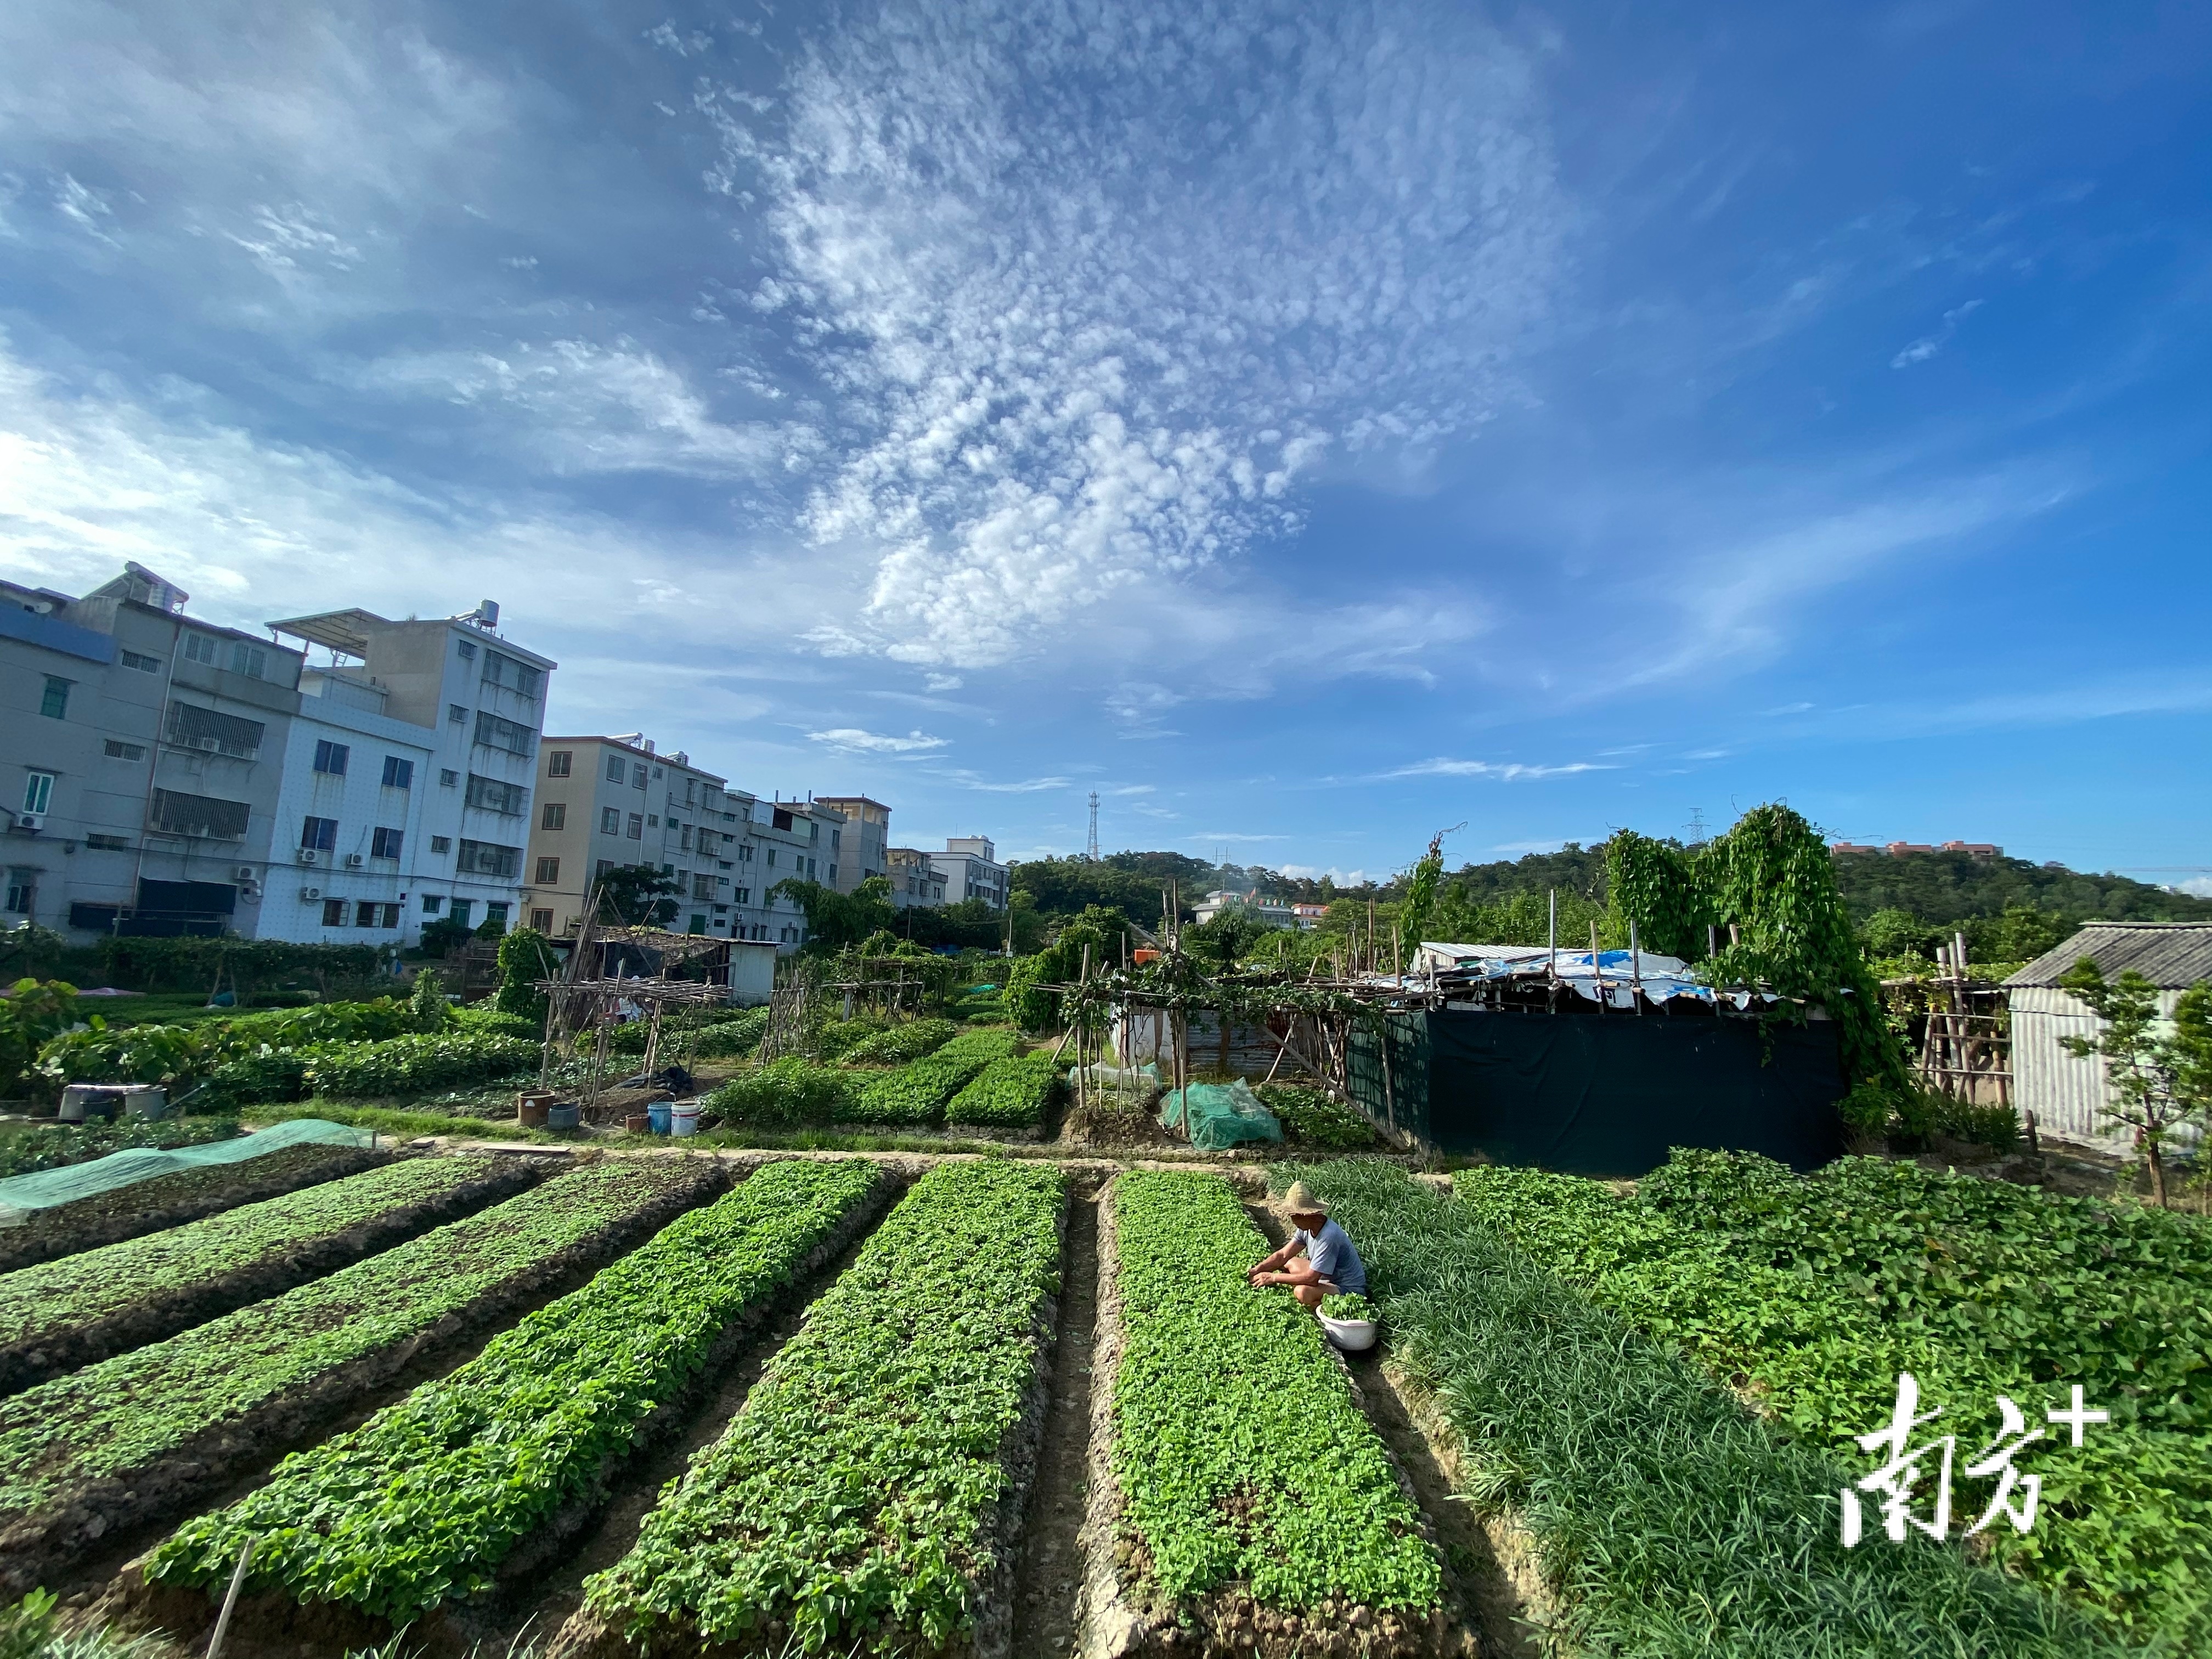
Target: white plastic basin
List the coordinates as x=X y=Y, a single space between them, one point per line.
x=1352 y=1335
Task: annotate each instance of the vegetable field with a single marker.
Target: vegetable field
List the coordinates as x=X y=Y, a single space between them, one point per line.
x=1813 y=1293
x=919 y=1092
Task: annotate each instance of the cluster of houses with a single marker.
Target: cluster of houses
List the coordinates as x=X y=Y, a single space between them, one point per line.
x=345 y=778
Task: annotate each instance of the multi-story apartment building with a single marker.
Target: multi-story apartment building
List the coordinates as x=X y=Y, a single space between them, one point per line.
x=609 y=802
x=178 y=777
x=863 y=850
x=970 y=869
x=433 y=820
x=142 y=751
x=916 y=881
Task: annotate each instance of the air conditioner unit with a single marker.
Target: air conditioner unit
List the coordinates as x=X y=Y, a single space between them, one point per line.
x=305 y=854
x=310 y=894
x=31 y=822
x=245 y=872
x=353 y=860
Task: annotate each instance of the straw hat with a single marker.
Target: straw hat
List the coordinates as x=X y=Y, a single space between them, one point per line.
x=1300 y=1200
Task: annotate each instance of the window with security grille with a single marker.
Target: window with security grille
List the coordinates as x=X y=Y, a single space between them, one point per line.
x=484 y=858
x=249 y=660
x=493 y=795
x=191 y=727
x=142 y=663
x=495 y=731
x=702 y=887
x=512 y=676
x=198 y=647
x=178 y=814
x=119 y=751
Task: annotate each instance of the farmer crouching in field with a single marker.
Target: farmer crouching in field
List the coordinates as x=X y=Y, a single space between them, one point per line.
x=1319 y=1260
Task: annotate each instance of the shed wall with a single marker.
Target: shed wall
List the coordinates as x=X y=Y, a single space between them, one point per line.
x=2063 y=1092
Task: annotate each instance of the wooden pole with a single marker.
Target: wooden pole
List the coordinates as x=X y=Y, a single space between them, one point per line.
x=1635 y=967
x=230 y=1599
x=1597 y=972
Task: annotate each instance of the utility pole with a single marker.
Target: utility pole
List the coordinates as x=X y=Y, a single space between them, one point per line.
x=1092 y=846
x=1695 y=829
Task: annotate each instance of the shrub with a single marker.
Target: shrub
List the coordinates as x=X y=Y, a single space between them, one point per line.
x=732 y=1034
x=484 y=1019
x=32 y=1014
x=1310 y=1118
x=523 y=961
x=785 y=1092
x=839 y=1034
x=1013 y=1093
x=255 y=1079
x=902 y=1044
x=142 y=1054
x=417 y=1064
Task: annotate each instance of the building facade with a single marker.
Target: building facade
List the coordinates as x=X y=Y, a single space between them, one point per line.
x=916 y=881
x=970 y=869
x=863 y=850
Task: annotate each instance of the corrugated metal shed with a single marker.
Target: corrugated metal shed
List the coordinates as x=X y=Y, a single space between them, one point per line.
x=2171 y=955
x=2066 y=1093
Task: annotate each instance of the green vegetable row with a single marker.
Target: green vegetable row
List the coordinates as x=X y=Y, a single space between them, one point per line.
x=1670 y=1521
x=919 y=1093
x=1819 y=1291
x=901 y=1044
x=1011 y=1093
x=856 y=1497
x=425 y=1500
x=1241 y=1457
x=129 y=1417
x=54 y=1303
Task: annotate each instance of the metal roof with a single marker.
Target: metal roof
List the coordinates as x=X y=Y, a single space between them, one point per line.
x=341 y=630
x=2169 y=954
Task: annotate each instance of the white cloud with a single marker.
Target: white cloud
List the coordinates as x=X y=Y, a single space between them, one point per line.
x=1315 y=873
x=1090 y=334
x=1506 y=771
x=1929 y=344
x=852 y=739
x=281 y=237
x=2197 y=886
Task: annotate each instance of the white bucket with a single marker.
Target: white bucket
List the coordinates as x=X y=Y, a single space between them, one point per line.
x=1352 y=1335
x=684 y=1117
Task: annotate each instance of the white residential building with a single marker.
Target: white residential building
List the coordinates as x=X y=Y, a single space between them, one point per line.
x=970 y=869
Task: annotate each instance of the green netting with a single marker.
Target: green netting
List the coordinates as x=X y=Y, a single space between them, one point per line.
x=1128 y=1090
x=42 y=1189
x=1215 y=1115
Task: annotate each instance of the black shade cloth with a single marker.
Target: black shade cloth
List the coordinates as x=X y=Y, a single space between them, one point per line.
x=1603 y=1094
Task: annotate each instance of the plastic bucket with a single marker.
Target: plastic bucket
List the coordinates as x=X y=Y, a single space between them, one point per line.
x=657 y=1115
x=683 y=1118
x=1352 y=1335
x=568 y=1116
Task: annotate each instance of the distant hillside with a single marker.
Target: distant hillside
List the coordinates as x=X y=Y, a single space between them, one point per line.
x=1941 y=889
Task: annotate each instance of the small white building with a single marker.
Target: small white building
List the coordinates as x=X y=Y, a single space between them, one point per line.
x=2065 y=1093
x=969 y=869
x=1269 y=912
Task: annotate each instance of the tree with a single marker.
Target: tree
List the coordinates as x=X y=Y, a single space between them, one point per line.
x=523 y=961
x=636 y=896
x=1222 y=942
x=1895 y=933
x=2159 y=1081
x=836 y=922
x=31 y=1012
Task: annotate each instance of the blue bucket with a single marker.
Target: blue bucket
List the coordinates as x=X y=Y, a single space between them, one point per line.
x=658 y=1114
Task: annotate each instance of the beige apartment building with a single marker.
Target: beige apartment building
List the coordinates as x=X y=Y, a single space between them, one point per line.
x=863 y=850
x=607 y=802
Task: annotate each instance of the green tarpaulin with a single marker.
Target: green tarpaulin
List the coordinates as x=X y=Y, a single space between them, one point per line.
x=44 y=1188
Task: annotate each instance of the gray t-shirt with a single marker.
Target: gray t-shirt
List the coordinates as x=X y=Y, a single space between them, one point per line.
x=1333 y=1258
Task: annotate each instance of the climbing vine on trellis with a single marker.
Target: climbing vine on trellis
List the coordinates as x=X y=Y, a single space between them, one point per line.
x=1770 y=879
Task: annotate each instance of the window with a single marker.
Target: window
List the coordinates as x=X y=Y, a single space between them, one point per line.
x=509 y=800
x=116 y=751
x=432 y=903
x=492 y=732
x=331 y=757
x=771 y=857
x=318 y=834
x=441 y=843
x=108 y=843
x=549 y=872
x=191 y=727
x=198 y=647
x=385 y=843
x=706 y=842
x=653 y=820
x=38 y=791
x=610 y=821
x=556 y=762
x=142 y=663
x=512 y=676
x=176 y=814
x=496 y=912
x=247 y=660
x=637 y=775
x=780 y=819
x=456 y=715
x=398 y=773
x=690 y=787
x=542 y=921
x=618 y=769
x=686 y=834
x=556 y=815
x=461 y=909
x=54 y=704
x=745 y=853
x=368 y=913
x=604 y=866
x=702 y=887
x=484 y=858
x=468 y=651
x=22 y=892
x=698 y=923
x=637 y=826
x=333 y=913
x=448 y=778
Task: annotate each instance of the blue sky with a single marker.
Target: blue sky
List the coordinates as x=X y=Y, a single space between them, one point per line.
x=1308 y=425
